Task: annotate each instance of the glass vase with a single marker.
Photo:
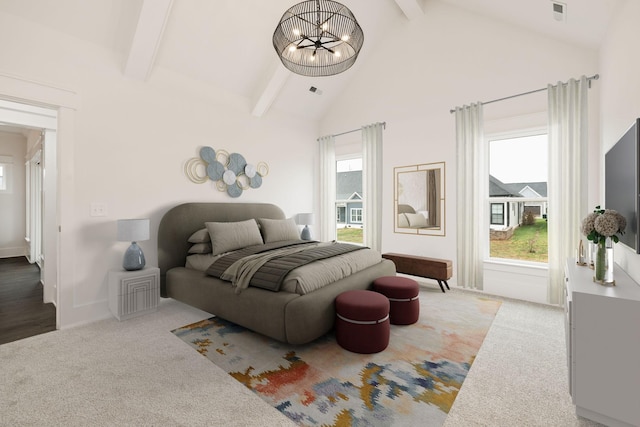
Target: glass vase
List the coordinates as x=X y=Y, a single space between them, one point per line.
x=603 y=263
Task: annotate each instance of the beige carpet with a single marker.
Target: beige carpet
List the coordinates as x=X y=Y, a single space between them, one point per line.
x=136 y=373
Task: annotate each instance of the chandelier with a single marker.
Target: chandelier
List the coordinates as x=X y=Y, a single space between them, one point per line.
x=318 y=38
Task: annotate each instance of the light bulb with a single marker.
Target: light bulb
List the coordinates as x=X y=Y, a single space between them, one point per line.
x=325 y=26
x=313 y=57
x=336 y=54
x=345 y=37
x=292 y=48
x=296 y=32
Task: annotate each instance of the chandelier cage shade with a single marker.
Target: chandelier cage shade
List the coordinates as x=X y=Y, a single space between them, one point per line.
x=318 y=38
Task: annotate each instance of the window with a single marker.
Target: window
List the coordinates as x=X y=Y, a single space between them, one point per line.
x=6 y=162
x=518 y=197
x=348 y=199
x=497 y=213
x=356 y=215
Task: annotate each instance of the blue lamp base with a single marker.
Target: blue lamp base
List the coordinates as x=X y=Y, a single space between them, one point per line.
x=133 y=258
x=306 y=233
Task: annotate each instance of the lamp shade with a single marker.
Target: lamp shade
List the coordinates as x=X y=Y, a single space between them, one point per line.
x=133 y=230
x=305 y=219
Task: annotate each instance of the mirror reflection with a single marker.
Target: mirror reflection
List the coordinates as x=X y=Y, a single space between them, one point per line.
x=419 y=199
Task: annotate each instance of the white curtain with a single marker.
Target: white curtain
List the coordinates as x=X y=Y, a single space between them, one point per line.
x=327 y=188
x=372 y=185
x=568 y=145
x=472 y=188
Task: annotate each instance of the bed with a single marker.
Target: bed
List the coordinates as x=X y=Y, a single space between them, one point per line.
x=289 y=314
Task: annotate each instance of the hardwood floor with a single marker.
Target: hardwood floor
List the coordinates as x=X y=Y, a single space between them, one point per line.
x=22 y=312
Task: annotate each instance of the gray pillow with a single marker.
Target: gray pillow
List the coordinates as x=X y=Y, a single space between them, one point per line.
x=200 y=236
x=200 y=248
x=229 y=236
x=276 y=230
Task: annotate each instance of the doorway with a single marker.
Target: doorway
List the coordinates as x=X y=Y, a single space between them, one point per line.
x=41 y=212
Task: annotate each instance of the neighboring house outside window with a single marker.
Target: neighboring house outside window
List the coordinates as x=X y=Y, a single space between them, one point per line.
x=349 y=197
x=349 y=200
x=511 y=198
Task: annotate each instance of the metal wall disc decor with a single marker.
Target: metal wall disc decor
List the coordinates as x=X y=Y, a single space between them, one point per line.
x=230 y=172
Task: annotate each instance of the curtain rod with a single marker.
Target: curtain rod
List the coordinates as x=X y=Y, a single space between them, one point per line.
x=594 y=77
x=384 y=126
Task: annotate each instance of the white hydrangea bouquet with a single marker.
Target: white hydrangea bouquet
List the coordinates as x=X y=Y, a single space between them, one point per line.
x=602 y=227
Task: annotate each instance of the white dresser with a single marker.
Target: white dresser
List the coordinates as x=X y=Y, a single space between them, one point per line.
x=133 y=293
x=602 y=325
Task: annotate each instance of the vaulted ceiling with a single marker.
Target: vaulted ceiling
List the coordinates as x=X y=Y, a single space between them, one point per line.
x=227 y=43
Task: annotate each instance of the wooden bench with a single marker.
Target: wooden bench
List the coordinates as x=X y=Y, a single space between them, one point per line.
x=431 y=268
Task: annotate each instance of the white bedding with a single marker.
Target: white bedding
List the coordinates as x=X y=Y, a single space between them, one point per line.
x=311 y=276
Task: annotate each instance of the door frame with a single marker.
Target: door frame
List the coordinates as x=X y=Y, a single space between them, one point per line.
x=30 y=103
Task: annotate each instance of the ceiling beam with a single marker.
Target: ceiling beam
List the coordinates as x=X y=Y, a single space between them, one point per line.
x=147 y=37
x=410 y=8
x=270 y=90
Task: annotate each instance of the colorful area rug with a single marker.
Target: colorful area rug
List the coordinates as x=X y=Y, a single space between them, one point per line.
x=413 y=382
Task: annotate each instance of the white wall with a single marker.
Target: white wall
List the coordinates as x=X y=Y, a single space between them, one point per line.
x=620 y=98
x=131 y=140
x=12 y=204
x=448 y=58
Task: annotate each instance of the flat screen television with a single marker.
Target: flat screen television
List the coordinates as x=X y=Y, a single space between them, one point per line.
x=621 y=168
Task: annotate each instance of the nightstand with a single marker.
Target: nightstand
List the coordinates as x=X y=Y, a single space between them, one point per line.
x=133 y=293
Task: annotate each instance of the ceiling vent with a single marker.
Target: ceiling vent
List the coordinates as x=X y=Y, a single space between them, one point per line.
x=315 y=90
x=559 y=11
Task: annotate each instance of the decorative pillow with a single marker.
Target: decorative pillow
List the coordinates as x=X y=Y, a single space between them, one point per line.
x=276 y=230
x=200 y=236
x=229 y=236
x=416 y=220
x=200 y=248
x=403 y=222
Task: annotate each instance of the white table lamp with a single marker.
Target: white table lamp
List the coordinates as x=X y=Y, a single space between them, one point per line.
x=305 y=219
x=133 y=230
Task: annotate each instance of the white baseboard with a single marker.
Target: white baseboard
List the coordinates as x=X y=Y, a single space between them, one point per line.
x=13 y=252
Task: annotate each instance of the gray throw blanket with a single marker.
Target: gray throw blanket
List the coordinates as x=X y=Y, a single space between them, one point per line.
x=266 y=266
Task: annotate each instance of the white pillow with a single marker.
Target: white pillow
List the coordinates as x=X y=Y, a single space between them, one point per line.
x=276 y=230
x=403 y=222
x=229 y=236
x=416 y=220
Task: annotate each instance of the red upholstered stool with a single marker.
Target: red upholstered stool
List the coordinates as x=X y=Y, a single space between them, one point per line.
x=362 y=321
x=403 y=297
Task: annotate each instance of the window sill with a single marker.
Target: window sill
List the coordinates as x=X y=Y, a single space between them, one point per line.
x=501 y=263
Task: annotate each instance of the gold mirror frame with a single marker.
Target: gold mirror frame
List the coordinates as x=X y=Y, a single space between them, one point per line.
x=419 y=199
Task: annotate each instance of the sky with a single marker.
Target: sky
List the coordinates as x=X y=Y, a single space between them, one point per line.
x=521 y=159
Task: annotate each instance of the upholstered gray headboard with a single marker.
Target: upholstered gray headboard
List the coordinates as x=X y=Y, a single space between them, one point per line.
x=183 y=220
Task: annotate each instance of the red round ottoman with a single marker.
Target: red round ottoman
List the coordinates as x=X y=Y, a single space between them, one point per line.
x=362 y=321
x=403 y=297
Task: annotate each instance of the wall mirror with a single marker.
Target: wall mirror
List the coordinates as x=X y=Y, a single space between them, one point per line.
x=419 y=199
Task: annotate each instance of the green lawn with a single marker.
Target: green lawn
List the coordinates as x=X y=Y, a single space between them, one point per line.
x=529 y=243
x=351 y=235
